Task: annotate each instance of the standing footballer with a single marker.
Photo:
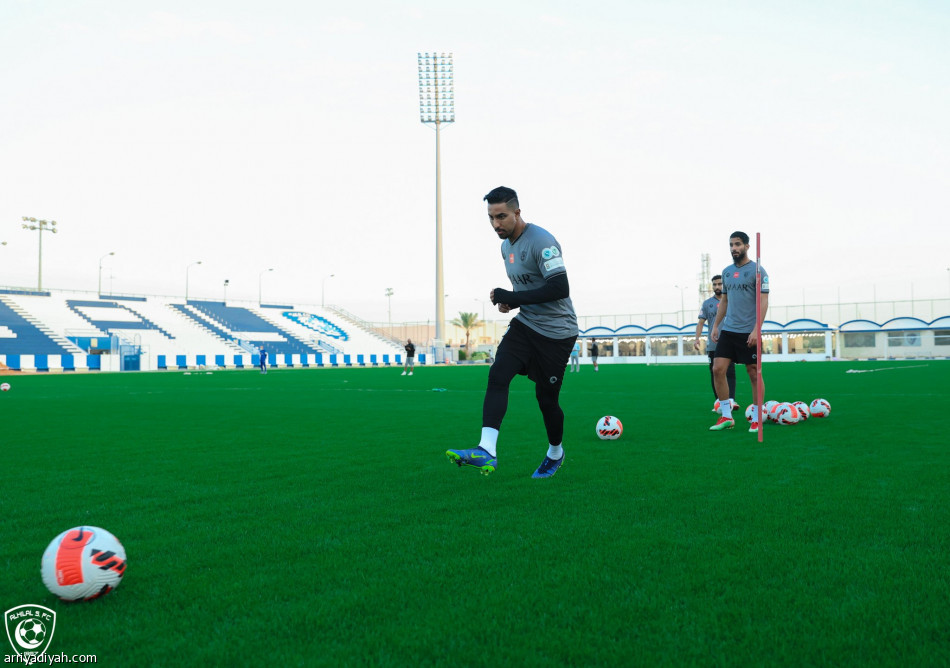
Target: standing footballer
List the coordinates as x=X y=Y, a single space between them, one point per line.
x=539 y=339
x=708 y=312
x=736 y=330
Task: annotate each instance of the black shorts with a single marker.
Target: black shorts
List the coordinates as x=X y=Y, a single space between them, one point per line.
x=734 y=346
x=541 y=358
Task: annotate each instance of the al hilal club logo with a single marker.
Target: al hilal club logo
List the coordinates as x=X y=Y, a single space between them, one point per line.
x=30 y=629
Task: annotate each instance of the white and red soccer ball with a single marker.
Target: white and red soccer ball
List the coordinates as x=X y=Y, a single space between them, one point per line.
x=803 y=412
x=820 y=408
x=787 y=414
x=4 y=387
x=609 y=428
x=83 y=563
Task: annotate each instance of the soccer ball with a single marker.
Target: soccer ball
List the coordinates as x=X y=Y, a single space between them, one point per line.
x=83 y=563
x=4 y=387
x=787 y=414
x=820 y=408
x=748 y=412
x=771 y=412
x=803 y=412
x=609 y=428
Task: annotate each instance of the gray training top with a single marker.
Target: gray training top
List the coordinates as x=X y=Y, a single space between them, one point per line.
x=529 y=261
x=708 y=312
x=739 y=284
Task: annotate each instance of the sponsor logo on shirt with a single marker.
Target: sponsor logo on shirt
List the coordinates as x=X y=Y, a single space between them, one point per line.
x=554 y=264
x=511 y=259
x=550 y=252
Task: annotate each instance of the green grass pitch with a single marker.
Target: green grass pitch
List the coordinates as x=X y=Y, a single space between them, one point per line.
x=310 y=517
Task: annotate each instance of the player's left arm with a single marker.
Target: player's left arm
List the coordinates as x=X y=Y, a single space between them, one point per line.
x=555 y=287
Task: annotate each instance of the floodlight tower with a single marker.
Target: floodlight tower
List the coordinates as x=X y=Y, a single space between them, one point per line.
x=704 y=278
x=41 y=226
x=437 y=106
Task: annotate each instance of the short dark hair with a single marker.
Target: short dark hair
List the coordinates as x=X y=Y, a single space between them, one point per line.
x=717 y=277
x=740 y=235
x=503 y=195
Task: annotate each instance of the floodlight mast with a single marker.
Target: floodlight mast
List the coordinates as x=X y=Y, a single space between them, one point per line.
x=41 y=226
x=437 y=106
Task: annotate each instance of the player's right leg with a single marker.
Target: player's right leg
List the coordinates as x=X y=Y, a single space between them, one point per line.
x=509 y=362
x=720 y=365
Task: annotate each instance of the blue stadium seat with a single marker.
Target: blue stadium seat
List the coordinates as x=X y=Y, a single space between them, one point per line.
x=243 y=324
x=28 y=340
x=138 y=322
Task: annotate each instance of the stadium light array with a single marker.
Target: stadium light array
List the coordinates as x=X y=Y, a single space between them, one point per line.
x=41 y=226
x=437 y=106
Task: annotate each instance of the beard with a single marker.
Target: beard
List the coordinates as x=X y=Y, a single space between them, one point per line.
x=718 y=293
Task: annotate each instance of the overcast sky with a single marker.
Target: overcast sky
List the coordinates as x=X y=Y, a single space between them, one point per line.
x=286 y=135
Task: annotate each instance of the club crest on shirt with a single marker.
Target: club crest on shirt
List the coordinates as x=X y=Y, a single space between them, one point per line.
x=524 y=255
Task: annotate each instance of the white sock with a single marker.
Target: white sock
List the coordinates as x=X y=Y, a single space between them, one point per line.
x=726 y=407
x=489 y=439
x=555 y=451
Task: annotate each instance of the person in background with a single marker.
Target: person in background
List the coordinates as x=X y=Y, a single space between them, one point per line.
x=575 y=357
x=410 y=362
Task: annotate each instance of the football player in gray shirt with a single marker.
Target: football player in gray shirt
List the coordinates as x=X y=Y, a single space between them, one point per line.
x=707 y=313
x=539 y=339
x=736 y=330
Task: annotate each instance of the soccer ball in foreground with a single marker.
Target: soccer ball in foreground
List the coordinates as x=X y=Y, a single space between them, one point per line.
x=787 y=414
x=820 y=408
x=803 y=412
x=609 y=428
x=4 y=387
x=83 y=563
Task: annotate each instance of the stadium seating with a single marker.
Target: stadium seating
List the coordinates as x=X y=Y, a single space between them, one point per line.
x=241 y=324
x=19 y=336
x=41 y=332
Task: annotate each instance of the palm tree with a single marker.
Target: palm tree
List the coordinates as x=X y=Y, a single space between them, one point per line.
x=468 y=322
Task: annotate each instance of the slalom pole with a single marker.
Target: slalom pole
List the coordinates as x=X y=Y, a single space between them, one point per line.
x=759 y=384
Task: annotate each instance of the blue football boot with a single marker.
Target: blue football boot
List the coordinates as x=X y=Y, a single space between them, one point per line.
x=548 y=467
x=476 y=457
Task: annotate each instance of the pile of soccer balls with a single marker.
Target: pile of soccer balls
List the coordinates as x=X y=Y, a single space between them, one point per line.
x=791 y=412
